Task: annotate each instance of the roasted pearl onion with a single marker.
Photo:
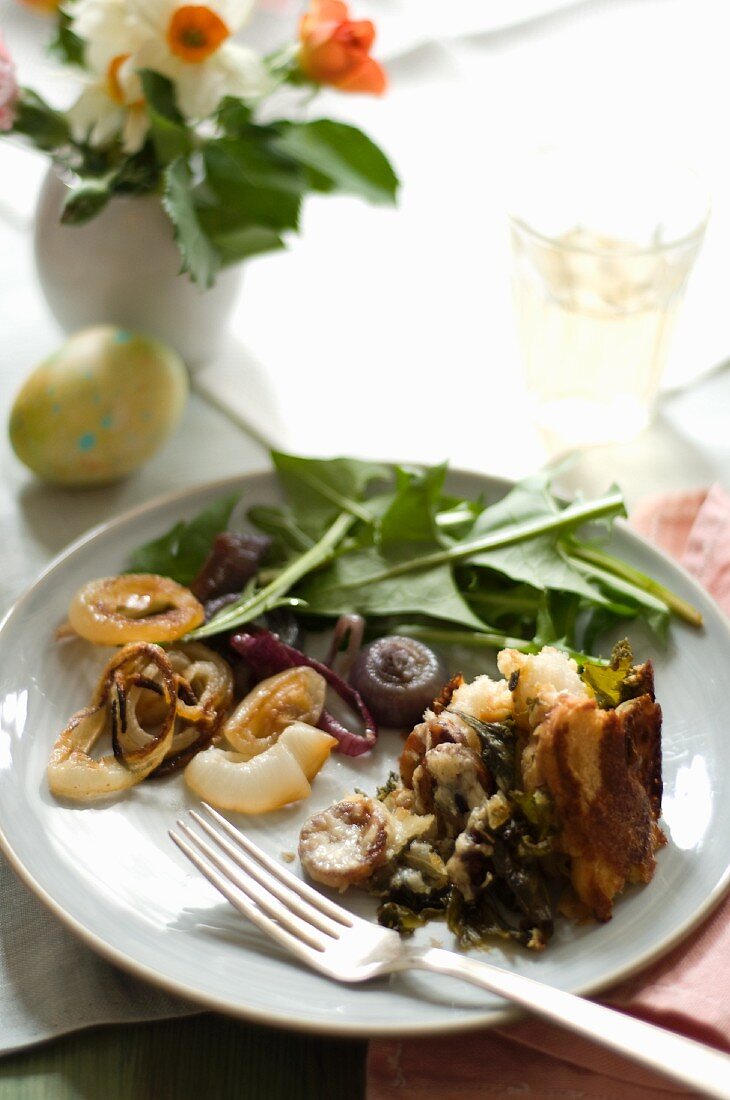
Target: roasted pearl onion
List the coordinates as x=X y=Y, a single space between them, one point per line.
x=263 y=782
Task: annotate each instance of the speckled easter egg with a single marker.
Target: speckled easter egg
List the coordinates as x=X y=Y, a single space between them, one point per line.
x=99 y=408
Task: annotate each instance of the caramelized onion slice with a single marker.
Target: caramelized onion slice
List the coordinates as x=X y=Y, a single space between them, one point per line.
x=206 y=690
x=72 y=772
x=294 y=695
x=134 y=607
x=137 y=669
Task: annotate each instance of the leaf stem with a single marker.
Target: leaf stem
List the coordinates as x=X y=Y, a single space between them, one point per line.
x=487 y=640
x=250 y=607
x=453 y=517
x=573 y=516
x=602 y=560
x=346 y=504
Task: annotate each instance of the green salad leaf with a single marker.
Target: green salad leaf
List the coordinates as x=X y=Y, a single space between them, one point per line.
x=181 y=551
x=319 y=489
x=345 y=588
x=411 y=517
x=393 y=544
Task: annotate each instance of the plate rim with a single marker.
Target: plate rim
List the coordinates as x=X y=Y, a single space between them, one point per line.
x=467 y=1021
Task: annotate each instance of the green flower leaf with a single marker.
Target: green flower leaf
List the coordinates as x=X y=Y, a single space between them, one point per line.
x=238 y=242
x=47 y=128
x=67 y=46
x=255 y=185
x=200 y=257
x=159 y=92
x=86 y=200
x=233 y=115
x=169 y=131
x=342 y=155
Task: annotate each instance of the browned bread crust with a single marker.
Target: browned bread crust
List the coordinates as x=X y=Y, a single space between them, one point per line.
x=603 y=771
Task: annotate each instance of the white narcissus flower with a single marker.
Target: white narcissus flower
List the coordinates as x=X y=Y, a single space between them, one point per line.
x=106 y=29
x=191 y=44
x=98 y=116
x=112 y=103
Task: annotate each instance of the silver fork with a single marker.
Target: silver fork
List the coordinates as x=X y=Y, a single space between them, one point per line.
x=348 y=949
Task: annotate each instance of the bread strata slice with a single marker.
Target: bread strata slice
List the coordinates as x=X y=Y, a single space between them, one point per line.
x=537 y=795
x=602 y=769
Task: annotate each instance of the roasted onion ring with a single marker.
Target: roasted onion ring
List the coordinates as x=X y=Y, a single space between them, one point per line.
x=208 y=681
x=134 y=607
x=204 y=686
x=294 y=695
x=204 y=694
x=72 y=772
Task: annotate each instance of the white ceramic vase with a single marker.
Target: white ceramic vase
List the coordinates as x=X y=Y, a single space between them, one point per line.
x=122 y=268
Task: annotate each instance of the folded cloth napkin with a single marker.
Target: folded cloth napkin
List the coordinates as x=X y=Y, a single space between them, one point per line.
x=687 y=991
x=694 y=528
x=51 y=983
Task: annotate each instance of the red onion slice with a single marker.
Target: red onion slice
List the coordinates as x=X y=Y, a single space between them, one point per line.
x=348 y=632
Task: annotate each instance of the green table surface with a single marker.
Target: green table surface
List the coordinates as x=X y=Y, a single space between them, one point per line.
x=207 y=1057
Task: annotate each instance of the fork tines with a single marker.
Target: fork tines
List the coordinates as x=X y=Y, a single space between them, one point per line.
x=274 y=899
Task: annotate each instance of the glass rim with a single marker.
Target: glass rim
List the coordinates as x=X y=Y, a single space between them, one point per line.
x=557 y=156
x=695 y=234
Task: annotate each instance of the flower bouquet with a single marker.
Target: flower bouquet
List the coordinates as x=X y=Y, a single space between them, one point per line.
x=173 y=104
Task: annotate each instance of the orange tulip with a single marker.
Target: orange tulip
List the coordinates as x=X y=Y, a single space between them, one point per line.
x=335 y=50
x=41 y=5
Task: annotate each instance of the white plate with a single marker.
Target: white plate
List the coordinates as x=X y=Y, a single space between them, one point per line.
x=113 y=876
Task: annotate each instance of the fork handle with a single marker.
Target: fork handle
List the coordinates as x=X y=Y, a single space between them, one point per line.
x=684 y=1060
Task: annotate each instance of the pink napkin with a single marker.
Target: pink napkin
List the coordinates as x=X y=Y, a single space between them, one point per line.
x=695 y=529
x=687 y=991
